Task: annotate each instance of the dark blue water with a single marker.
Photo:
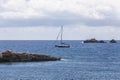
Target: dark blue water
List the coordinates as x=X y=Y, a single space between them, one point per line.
x=80 y=62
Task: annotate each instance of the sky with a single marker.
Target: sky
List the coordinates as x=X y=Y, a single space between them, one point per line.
x=41 y=19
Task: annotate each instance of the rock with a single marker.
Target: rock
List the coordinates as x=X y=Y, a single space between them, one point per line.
x=113 y=41
x=93 y=40
x=9 y=56
x=0 y=55
x=8 y=51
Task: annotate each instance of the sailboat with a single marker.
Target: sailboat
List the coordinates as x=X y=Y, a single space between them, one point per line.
x=62 y=44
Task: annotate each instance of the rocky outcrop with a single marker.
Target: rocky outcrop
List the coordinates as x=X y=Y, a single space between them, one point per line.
x=9 y=56
x=93 y=40
x=113 y=41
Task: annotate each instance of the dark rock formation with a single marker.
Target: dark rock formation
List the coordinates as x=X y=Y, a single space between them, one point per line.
x=9 y=56
x=113 y=41
x=93 y=40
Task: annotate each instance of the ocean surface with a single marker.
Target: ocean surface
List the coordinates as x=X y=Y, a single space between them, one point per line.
x=97 y=61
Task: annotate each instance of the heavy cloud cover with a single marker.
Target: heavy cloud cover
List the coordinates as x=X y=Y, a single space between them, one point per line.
x=15 y=13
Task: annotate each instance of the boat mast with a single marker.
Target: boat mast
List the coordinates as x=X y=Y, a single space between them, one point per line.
x=61 y=33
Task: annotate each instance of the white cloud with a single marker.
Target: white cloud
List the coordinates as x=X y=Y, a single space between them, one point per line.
x=18 y=9
x=81 y=15
x=40 y=8
x=76 y=11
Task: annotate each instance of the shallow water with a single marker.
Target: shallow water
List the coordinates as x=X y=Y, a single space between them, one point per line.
x=80 y=62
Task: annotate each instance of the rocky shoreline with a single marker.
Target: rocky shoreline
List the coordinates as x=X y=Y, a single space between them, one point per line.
x=9 y=56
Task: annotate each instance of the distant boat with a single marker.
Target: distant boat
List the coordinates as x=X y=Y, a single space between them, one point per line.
x=61 y=44
x=113 y=41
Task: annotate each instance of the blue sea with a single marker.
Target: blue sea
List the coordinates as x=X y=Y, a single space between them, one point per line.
x=97 y=61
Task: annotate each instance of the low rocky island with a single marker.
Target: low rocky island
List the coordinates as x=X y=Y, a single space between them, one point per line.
x=93 y=40
x=9 y=56
x=113 y=41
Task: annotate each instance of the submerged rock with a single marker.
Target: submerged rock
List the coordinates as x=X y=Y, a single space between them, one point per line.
x=9 y=56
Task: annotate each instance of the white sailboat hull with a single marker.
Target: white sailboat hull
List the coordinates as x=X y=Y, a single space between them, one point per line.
x=62 y=46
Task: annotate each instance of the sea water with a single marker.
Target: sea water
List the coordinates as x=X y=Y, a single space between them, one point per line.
x=88 y=61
